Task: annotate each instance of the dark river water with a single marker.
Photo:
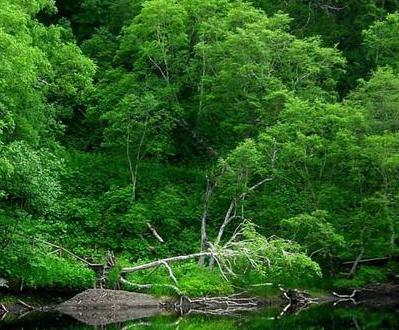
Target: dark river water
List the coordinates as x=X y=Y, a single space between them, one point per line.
x=317 y=317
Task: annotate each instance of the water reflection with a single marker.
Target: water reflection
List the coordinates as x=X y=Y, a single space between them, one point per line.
x=317 y=317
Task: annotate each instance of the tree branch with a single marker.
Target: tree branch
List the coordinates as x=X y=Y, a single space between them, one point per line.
x=155 y=233
x=161 y=262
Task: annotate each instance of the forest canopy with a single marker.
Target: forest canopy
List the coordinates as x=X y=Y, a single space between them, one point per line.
x=265 y=133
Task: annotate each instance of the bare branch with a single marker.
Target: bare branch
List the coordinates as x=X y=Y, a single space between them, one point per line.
x=68 y=252
x=155 y=233
x=356 y=263
x=161 y=262
x=171 y=275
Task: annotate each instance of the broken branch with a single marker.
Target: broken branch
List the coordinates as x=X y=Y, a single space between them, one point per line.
x=155 y=233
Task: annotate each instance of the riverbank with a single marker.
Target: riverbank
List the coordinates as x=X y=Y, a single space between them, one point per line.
x=100 y=306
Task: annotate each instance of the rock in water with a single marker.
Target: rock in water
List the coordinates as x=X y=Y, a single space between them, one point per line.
x=100 y=306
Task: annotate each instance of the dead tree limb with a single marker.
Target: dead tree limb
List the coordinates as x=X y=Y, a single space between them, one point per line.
x=170 y=271
x=161 y=262
x=297 y=300
x=4 y=308
x=237 y=199
x=371 y=261
x=288 y=306
x=356 y=263
x=110 y=262
x=166 y=263
x=155 y=233
x=229 y=217
x=216 y=305
x=3 y=283
x=61 y=248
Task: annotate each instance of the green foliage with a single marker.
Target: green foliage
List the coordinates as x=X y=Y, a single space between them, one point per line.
x=382 y=42
x=274 y=260
x=340 y=23
x=378 y=98
x=30 y=180
x=102 y=140
x=193 y=280
x=114 y=276
x=314 y=232
x=34 y=267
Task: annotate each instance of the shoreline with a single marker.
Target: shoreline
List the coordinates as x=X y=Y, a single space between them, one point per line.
x=100 y=306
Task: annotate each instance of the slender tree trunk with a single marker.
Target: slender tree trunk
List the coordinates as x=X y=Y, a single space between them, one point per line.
x=135 y=169
x=208 y=193
x=359 y=257
x=129 y=160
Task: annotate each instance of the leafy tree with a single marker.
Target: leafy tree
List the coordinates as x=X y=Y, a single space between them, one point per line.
x=338 y=22
x=315 y=233
x=378 y=97
x=382 y=42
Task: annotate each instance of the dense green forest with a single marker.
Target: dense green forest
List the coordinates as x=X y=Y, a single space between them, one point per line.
x=263 y=132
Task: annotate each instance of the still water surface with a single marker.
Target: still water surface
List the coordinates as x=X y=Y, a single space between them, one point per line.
x=317 y=317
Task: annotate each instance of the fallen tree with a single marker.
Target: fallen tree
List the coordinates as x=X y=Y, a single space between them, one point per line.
x=245 y=250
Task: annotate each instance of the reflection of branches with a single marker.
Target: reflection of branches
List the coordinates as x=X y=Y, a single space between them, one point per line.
x=297 y=300
x=229 y=305
x=356 y=323
x=345 y=298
